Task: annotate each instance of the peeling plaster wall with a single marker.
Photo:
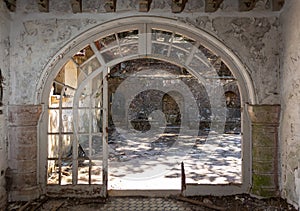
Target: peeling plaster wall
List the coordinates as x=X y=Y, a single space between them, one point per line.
x=290 y=120
x=38 y=36
x=4 y=66
x=255 y=41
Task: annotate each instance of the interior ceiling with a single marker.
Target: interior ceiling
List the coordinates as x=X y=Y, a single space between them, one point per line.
x=177 y=6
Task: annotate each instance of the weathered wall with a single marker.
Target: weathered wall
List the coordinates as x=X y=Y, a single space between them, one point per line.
x=254 y=40
x=290 y=87
x=38 y=36
x=4 y=66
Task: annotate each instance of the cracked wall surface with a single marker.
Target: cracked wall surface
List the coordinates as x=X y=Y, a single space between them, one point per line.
x=255 y=41
x=38 y=36
x=290 y=120
x=4 y=66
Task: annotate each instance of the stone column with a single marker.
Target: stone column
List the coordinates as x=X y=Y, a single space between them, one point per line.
x=23 y=151
x=3 y=161
x=265 y=122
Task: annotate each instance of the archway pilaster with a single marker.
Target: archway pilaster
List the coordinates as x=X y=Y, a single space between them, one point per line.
x=264 y=122
x=23 y=153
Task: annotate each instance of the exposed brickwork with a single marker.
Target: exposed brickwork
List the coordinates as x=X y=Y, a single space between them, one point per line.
x=23 y=155
x=265 y=121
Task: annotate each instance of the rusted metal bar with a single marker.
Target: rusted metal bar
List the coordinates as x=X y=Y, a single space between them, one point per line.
x=1 y=90
x=183 y=182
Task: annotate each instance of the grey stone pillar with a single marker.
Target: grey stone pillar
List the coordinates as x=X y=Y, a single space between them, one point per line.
x=3 y=160
x=23 y=151
x=265 y=122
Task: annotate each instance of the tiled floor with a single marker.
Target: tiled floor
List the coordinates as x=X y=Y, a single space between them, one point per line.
x=175 y=203
x=146 y=204
x=120 y=204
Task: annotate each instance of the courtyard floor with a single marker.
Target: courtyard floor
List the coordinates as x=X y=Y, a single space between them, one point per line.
x=146 y=163
x=137 y=164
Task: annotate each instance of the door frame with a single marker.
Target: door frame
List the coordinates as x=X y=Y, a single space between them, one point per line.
x=145 y=23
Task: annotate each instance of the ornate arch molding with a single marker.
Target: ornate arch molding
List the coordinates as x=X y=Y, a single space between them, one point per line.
x=236 y=66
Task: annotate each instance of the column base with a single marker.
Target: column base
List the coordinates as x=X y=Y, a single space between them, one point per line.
x=25 y=194
x=3 y=199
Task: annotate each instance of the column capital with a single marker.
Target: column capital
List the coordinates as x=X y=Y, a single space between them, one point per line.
x=264 y=114
x=24 y=115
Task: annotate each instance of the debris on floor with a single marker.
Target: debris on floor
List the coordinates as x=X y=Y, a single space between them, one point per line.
x=242 y=202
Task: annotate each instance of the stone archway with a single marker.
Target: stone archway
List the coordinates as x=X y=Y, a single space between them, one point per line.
x=108 y=49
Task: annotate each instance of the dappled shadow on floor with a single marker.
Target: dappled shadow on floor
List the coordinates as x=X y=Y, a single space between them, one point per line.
x=137 y=163
x=155 y=162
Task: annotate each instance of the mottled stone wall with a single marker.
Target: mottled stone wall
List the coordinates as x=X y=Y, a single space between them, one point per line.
x=23 y=164
x=4 y=66
x=290 y=88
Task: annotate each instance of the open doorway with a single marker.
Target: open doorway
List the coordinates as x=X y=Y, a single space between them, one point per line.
x=160 y=118
x=130 y=107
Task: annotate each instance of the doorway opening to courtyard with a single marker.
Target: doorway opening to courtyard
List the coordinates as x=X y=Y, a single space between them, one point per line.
x=145 y=106
x=160 y=121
